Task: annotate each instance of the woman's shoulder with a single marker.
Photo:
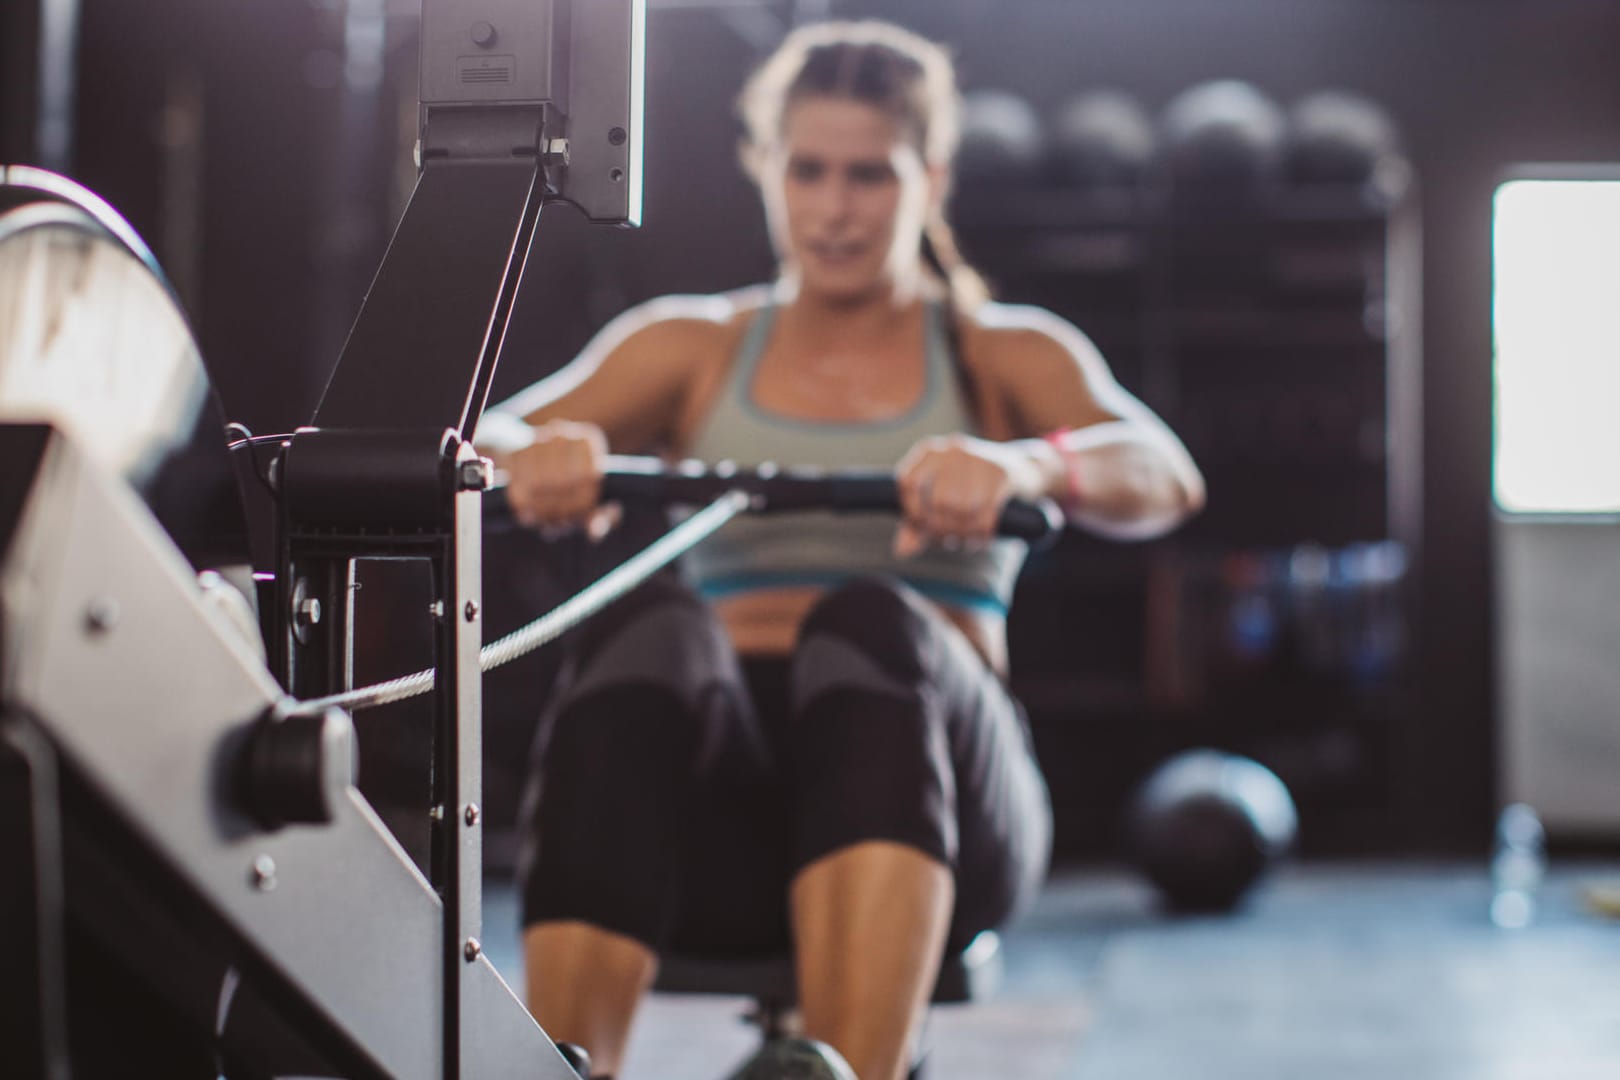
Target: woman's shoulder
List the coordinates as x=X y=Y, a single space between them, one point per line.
x=1001 y=323
x=997 y=335
x=679 y=320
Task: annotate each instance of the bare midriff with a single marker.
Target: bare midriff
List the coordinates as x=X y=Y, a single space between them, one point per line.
x=765 y=622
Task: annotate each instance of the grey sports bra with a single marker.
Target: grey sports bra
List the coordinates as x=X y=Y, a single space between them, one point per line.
x=824 y=549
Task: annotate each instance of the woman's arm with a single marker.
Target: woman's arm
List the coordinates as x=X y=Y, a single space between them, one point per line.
x=1062 y=429
x=623 y=394
x=629 y=382
x=1066 y=431
x=1113 y=465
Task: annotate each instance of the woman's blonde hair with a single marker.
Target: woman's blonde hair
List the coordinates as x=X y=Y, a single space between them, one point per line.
x=904 y=75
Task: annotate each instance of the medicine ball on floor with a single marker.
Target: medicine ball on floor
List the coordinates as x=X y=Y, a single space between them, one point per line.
x=1206 y=826
x=795 y=1058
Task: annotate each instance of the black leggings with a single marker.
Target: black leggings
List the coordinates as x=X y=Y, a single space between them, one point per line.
x=677 y=790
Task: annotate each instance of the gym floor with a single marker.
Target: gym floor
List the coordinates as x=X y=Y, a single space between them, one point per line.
x=1333 y=971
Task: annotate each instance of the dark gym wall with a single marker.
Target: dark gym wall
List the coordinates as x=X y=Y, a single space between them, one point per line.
x=1474 y=84
x=197 y=120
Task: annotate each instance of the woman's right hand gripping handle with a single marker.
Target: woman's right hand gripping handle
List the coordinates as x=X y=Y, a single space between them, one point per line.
x=555 y=483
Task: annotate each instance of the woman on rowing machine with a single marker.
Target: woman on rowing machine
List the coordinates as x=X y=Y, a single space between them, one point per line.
x=813 y=744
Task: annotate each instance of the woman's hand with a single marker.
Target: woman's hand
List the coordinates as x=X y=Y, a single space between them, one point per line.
x=555 y=483
x=953 y=489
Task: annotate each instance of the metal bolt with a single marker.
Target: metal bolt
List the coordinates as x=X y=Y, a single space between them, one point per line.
x=483 y=34
x=436 y=609
x=101 y=615
x=263 y=873
x=476 y=475
x=301 y=612
x=471 y=610
x=472 y=949
x=471 y=814
x=616 y=136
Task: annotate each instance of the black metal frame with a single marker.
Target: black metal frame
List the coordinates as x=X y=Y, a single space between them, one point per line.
x=319 y=561
x=318 y=549
x=388 y=469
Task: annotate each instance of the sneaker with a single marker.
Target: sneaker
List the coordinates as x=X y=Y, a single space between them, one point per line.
x=576 y=1057
x=795 y=1059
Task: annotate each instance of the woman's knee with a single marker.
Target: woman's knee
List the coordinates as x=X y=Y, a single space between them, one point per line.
x=663 y=637
x=662 y=597
x=878 y=618
x=645 y=685
x=859 y=684
x=866 y=748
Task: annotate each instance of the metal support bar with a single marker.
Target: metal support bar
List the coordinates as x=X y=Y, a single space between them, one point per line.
x=415 y=494
x=33 y=999
x=458 y=735
x=423 y=350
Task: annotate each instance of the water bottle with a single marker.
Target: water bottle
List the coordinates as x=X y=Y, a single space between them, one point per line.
x=1518 y=864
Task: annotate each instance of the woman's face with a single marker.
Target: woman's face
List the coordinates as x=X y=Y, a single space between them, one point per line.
x=846 y=197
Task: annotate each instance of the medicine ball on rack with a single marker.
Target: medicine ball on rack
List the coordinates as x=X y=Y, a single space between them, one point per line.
x=1335 y=137
x=1102 y=138
x=1223 y=134
x=1206 y=826
x=1003 y=141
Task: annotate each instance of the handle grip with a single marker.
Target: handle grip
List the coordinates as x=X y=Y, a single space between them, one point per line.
x=652 y=481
